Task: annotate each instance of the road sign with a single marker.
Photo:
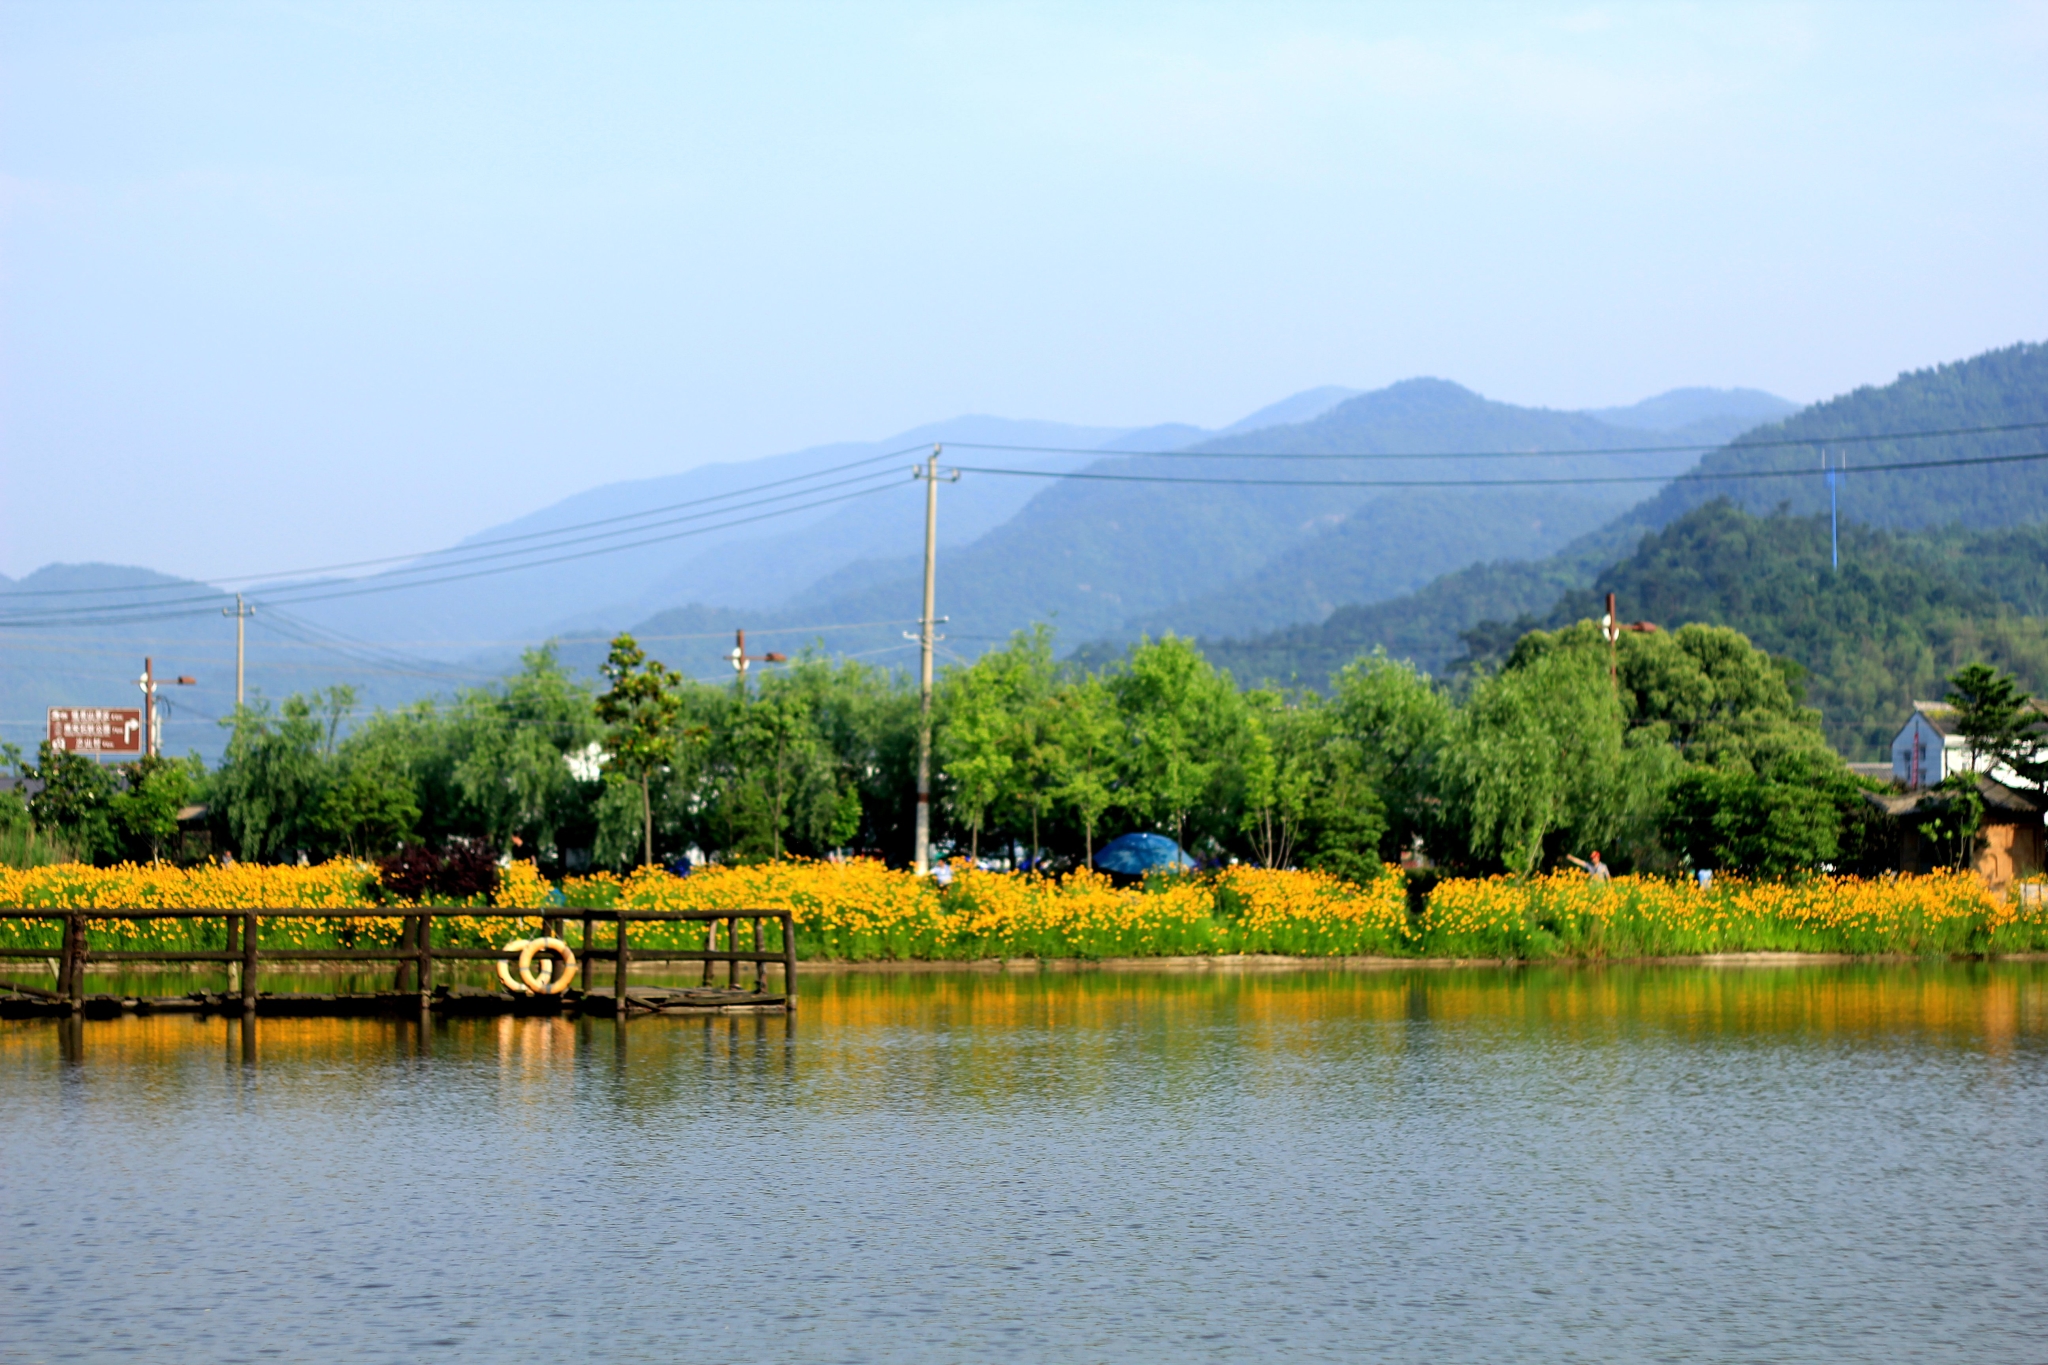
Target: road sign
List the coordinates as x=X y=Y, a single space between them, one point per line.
x=96 y=729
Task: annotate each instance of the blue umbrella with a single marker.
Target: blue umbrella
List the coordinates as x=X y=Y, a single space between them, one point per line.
x=1136 y=854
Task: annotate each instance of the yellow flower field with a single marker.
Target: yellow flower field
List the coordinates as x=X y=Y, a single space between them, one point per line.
x=865 y=911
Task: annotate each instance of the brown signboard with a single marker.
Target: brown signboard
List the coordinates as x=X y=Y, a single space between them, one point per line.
x=96 y=729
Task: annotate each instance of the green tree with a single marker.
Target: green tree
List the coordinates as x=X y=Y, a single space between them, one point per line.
x=1399 y=725
x=1719 y=818
x=1753 y=783
x=775 y=785
x=639 y=712
x=1181 y=718
x=1280 y=770
x=993 y=739
x=14 y=816
x=1087 y=736
x=270 y=782
x=366 y=806
x=511 y=741
x=1540 y=753
x=2001 y=724
x=76 y=802
x=145 y=811
x=1307 y=792
x=866 y=719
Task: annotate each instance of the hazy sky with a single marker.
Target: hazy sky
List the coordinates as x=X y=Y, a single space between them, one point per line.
x=283 y=283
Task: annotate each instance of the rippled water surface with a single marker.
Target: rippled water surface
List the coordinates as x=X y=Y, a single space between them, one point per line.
x=1817 y=1163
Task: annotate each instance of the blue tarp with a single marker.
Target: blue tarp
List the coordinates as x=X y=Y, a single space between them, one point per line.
x=1136 y=854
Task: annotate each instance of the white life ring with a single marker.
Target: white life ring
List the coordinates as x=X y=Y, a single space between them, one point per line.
x=505 y=976
x=547 y=983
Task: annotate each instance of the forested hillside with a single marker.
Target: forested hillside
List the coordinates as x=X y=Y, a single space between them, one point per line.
x=1902 y=612
x=1949 y=509
x=2003 y=387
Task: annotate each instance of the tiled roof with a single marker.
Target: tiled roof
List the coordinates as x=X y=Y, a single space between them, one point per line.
x=1940 y=715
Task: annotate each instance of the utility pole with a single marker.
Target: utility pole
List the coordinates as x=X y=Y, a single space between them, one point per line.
x=1610 y=626
x=148 y=684
x=242 y=612
x=152 y=728
x=740 y=659
x=1834 y=527
x=925 y=639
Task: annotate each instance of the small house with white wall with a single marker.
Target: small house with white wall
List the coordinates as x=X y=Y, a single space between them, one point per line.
x=2011 y=844
x=1930 y=749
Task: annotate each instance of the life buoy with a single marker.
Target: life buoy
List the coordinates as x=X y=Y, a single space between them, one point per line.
x=549 y=983
x=505 y=975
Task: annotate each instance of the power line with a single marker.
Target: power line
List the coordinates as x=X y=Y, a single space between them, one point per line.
x=485 y=544
x=601 y=550
x=29 y=644
x=389 y=582
x=123 y=614
x=1738 y=443
x=459 y=555
x=1501 y=483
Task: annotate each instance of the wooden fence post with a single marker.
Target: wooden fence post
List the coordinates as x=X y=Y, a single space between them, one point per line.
x=248 y=965
x=64 y=959
x=424 y=964
x=788 y=961
x=619 y=969
x=75 y=956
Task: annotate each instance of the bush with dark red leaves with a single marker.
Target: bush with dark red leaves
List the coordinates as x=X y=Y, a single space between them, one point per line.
x=463 y=870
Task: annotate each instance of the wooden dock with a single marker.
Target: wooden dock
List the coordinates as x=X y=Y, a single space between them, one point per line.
x=414 y=989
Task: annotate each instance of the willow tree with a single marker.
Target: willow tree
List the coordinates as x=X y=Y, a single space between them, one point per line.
x=1541 y=750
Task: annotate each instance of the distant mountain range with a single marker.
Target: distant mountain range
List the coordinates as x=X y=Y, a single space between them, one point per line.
x=1324 y=526
x=1108 y=560
x=1102 y=559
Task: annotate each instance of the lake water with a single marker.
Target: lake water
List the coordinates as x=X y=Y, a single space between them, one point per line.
x=1647 y=1163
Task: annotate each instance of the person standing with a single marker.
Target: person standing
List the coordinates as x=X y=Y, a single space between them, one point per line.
x=1595 y=870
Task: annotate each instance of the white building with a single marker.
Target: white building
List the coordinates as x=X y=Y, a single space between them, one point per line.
x=1930 y=748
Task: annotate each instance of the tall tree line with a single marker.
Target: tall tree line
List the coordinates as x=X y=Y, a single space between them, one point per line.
x=1688 y=748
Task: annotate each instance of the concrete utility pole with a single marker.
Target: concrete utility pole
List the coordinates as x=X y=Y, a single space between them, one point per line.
x=152 y=728
x=925 y=639
x=740 y=659
x=1610 y=626
x=148 y=684
x=242 y=612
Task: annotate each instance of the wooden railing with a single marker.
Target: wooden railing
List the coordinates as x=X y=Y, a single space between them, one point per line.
x=415 y=952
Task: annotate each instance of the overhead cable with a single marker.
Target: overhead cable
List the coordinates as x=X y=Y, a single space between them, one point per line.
x=501 y=540
x=1500 y=483
x=1739 y=443
x=121 y=614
